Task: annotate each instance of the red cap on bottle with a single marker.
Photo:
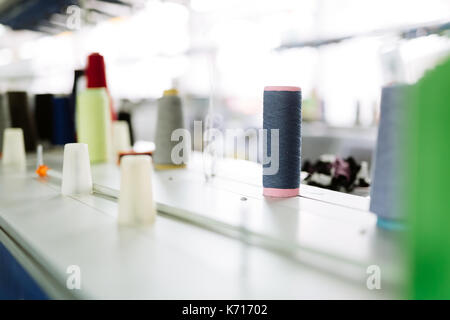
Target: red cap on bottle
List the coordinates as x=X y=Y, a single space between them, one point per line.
x=95 y=71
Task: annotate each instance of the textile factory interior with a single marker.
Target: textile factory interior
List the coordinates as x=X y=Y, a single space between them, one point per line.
x=224 y=149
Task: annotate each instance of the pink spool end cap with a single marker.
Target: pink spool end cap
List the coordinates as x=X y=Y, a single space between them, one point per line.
x=281 y=88
x=281 y=193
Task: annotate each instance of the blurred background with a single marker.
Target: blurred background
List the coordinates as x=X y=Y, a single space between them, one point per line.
x=340 y=53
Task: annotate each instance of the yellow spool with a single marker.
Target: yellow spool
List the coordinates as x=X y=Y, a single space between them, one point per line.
x=170 y=92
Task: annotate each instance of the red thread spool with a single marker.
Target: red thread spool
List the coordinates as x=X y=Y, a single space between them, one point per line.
x=96 y=76
x=95 y=71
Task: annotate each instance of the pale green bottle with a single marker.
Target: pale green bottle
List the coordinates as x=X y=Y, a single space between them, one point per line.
x=93 y=120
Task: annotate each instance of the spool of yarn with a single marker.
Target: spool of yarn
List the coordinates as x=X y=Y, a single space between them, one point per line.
x=94 y=123
x=385 y=181
x=43 y=115
x=170 y=118
x=126 y=116
x=5 y=121
x=96 y=77
x=63 y=124
x=78 y=75
x=281 y=159
x=79 y=84
x=95 y=71
x=136 y=204
x=426 y=174
x=21 y=118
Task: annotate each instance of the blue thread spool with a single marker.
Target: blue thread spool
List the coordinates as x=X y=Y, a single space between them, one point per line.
x=384 y=192
x=63 y=124
x=282 y=112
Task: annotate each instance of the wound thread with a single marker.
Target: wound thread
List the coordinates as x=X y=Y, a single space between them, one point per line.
x=78 y=75
x=5 y=120
x=170 y=118
x=385 y=181
x=282 y=111
x=43 y=115
x=96 y=77
x=126 y=116
x=94 y=123
x=21 y=117
x=95 y=71
x=63 y=124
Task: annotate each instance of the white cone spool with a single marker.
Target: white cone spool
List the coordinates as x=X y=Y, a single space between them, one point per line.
x=136 y=205
x=13 y=153
x=77 y=178
x=121 y=137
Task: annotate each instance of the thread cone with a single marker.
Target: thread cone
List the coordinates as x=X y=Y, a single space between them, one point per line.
x=77 y=178
x=13 y=153
x=136 y=205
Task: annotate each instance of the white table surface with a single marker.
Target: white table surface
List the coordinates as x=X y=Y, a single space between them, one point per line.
x=207 y=243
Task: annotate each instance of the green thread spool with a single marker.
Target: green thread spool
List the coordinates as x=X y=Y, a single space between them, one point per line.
x=426 y=178
x=94 y=123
